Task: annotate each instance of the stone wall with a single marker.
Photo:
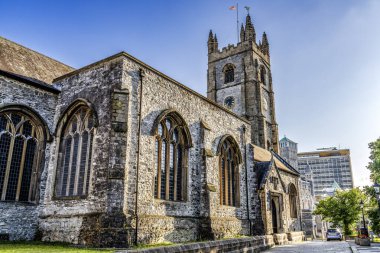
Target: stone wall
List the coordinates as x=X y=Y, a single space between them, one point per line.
x=19 y=221
x=98 y=219
x=182 y=221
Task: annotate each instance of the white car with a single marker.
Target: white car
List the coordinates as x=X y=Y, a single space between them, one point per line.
x=333 y=234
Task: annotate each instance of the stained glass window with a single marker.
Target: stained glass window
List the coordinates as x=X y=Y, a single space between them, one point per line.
x=21 y=147
x=75 y=154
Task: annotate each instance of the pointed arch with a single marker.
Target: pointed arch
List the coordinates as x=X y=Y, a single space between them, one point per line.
x=180 y=121
x=172 y=142
x=229 y=138
x=67 y=113
x=32 y=114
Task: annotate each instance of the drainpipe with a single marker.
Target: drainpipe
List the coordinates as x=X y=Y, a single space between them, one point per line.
x=246 y=180
x=299 y=203
x=141 y=74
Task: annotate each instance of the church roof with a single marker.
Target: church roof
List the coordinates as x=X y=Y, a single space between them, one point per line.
x=263 y=155
x=25 y=62
x=262 y=169
x=31 y=81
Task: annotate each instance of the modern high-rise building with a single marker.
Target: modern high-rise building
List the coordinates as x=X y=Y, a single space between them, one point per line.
x=329 y=167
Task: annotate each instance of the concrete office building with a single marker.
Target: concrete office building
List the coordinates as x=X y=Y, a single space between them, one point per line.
x=328 y=167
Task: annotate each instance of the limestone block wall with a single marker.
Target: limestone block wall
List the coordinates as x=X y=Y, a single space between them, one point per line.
x=19 y=221
x=181 y=221
x=87 y=221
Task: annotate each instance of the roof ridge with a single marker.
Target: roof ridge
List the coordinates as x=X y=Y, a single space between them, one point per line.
x=1 y=37
x=285 y=162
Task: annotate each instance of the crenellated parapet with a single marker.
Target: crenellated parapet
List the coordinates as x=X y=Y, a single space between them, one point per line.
x=247 y=42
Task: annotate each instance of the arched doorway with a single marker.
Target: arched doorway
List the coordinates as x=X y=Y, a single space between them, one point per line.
x=274 y=217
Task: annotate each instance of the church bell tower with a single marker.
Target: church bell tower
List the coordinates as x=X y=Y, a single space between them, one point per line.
x=239 y=78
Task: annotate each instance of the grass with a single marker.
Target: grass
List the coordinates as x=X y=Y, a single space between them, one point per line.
x=37 y=247
x=144 y=246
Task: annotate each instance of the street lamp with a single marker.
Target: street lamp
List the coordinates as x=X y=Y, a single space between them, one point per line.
x=362 y=207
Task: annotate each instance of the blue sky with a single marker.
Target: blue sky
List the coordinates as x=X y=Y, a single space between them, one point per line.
x=325 y=54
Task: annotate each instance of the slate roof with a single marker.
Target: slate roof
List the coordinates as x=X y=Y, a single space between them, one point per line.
x=263 y=155
x=31 y=81
x=23 y=61
x=262 y=169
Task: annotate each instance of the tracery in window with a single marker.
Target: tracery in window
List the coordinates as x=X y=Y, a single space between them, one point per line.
x=171 y=151
x=229 y=73
x=293 y=200
x=75 y=153
x=229 y=161
x=21 y=146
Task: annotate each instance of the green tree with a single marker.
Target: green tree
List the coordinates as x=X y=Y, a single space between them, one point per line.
x=342 y=209
x=373 y=209
x=374 y=164
x=374 y=168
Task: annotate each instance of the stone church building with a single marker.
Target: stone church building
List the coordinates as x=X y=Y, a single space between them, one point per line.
x=117 y=153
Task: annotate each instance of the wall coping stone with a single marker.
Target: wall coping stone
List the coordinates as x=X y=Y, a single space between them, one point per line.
x=228 y=245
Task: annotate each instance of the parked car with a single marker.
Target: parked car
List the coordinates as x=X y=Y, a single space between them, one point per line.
x=333 y=234
x=363 y=233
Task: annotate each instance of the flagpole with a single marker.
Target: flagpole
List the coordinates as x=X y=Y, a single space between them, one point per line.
x=237 y=21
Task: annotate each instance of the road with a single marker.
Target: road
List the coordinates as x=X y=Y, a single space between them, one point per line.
x=313 y=247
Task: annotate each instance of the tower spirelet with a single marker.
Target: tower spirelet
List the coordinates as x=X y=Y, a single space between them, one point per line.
x=242 y=33
x=250 y=33
x=265 y=44
x=210 y=42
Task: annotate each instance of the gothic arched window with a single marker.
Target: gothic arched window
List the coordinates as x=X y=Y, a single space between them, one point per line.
x=229 y=73
x=75 y=153
x=22 y=142
x=171 y=152
x=293 y=200
x=263 y=75
x=229 y=161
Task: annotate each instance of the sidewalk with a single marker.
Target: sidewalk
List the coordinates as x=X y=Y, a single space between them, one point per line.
x=375 y=247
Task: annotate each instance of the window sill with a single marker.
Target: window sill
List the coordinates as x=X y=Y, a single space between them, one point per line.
x=164 y=201
x=69 y=198
x=19 y=203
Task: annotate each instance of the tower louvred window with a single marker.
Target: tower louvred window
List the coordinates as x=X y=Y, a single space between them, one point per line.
x=229 y=73
x=21 y=148
x=263 y=75
x=73 y=174
x=171 y=152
